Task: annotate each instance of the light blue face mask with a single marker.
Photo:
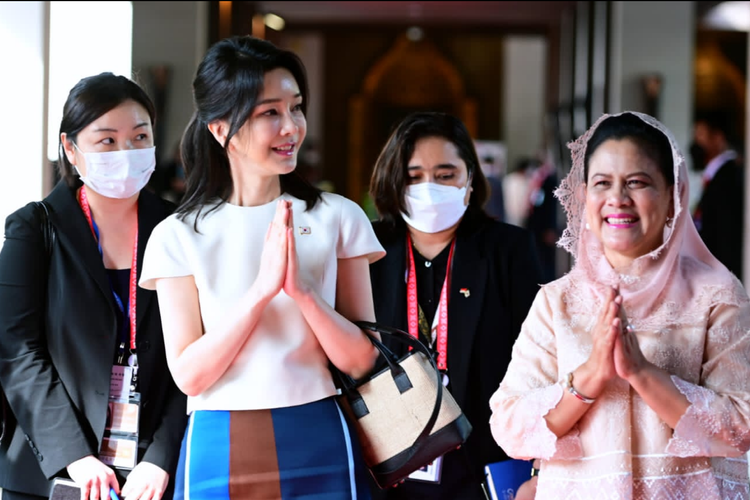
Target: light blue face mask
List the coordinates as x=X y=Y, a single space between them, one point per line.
x=118 y=174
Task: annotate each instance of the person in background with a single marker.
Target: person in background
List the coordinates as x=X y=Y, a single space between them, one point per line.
x=168 y=180
x=542 y=217
x=77 y=337
x=517 y=191
x=719 y=215
x=492 y=162
x=259 y=276
x=631 y=375
x=454 y=277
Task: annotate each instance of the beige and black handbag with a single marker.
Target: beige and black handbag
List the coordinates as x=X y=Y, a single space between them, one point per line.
x=403 y=415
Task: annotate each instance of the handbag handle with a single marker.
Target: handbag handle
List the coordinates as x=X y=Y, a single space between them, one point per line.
x=396 y=371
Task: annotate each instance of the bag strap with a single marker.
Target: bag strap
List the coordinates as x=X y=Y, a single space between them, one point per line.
x=396 y=371
x=48 y=233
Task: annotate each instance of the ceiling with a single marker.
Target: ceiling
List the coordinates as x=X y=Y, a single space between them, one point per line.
x=732 y=16
x=529 y=13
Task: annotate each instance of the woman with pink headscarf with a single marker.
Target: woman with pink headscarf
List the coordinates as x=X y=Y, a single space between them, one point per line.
x=631 y=376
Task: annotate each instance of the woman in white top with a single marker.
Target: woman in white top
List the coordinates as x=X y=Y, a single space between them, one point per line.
x=259 y=276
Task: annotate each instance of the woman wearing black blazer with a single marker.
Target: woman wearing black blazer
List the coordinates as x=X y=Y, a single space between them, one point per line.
x=429 y=192
x=70 y=313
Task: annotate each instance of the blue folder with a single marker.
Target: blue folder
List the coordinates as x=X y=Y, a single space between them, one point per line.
x=504 y=478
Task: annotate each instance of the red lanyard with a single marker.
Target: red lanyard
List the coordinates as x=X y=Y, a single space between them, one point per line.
x=129 y=309
x=412 y=308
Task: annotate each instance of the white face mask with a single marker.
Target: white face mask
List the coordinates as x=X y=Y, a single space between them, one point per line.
x=433 y=207
x=118 y=174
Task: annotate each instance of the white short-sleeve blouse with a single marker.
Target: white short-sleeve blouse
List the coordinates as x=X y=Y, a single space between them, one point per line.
x=282 y=363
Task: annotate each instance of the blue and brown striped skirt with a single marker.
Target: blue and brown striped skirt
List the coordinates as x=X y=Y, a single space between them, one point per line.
x=300 y=452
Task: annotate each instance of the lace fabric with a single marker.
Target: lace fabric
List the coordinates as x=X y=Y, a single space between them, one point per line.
x=692 y=319
x=536 y=438
x=666 y=274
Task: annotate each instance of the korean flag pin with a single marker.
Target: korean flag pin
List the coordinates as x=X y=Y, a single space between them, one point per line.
x=465 y=292
x=304 y=230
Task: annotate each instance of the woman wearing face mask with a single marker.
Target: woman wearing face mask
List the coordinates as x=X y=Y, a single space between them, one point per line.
x=459 y=280
x=82 y=363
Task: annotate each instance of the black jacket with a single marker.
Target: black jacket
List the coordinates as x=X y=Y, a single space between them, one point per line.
x=498 y=264
x=722 y=216
x=58 y=331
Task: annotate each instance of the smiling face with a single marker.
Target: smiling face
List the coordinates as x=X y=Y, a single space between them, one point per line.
x=627 y=201
x=127 y=126
x=268 y=142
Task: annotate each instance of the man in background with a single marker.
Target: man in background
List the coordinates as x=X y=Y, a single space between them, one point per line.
x=720 y=210
x=492 y=156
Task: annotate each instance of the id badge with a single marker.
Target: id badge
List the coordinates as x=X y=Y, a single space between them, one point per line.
x=430 y=473
x=123 y=415
x=120 y=442
x=119 y=451
x=119 y=383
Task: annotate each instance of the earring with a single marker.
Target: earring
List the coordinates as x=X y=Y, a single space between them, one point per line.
x=670 y=221
x=587 y=226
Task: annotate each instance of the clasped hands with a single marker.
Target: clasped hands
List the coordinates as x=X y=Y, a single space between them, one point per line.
x=279 y=264
x=615 y=352
x=145 y=482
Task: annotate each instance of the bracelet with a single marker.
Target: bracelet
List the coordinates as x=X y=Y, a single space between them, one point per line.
x=572 y=390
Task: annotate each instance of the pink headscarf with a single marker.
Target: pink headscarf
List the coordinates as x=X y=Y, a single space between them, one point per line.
x=658 y=287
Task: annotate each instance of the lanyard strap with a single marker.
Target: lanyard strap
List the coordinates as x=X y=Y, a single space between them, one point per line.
x=412 y=308
x=128 y=309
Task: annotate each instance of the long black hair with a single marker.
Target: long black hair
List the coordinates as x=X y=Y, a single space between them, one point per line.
x=227 y=85
x=89 y=99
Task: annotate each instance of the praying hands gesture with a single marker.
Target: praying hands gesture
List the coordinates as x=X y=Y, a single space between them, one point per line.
x=599 y=369
x=344 y=343
x=198 y=360
x=616 y=353
x=273 y=260
x=293 y=285
x=279 y=264
x=629 y=360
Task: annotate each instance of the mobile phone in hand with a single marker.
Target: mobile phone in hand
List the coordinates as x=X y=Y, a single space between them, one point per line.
x=64 y=489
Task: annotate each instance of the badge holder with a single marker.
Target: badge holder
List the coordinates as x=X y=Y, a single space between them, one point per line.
x=120 y=442
x=430 y=473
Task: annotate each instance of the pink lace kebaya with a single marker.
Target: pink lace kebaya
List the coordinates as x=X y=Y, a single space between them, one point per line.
x=691 y=319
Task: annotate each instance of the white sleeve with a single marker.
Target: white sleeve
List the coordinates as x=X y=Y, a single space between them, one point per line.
x=356 y=236
x=165 y=254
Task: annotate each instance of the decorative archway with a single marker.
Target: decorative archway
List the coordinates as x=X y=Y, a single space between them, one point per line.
x=412 y=76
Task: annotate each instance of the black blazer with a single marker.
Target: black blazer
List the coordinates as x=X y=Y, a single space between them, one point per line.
x=58 y=332
x=498 y=264
x=722 y=214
